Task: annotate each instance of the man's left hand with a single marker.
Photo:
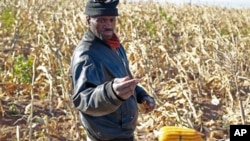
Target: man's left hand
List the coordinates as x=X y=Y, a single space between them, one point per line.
x=148 y=104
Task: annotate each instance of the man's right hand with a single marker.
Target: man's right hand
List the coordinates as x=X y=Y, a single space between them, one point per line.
x=125 y=87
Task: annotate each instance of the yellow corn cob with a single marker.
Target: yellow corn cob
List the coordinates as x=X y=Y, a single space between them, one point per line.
x=173 y=133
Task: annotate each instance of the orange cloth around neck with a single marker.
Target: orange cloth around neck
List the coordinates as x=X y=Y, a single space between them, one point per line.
x=114 y=42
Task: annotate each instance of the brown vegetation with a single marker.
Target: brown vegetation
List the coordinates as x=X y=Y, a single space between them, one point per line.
x=193 y=60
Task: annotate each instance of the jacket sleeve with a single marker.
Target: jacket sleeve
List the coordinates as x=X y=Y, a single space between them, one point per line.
x=90 y=96
x=140 y=93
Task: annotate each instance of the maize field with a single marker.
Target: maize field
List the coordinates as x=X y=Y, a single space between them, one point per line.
x=192 y=59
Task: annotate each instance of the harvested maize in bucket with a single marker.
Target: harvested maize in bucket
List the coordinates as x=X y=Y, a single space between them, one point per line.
x=173 y=133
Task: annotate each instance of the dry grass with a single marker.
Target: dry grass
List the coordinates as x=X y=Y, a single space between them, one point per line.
x=193 y=59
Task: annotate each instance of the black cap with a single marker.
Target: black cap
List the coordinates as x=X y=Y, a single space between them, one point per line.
x=101 y=8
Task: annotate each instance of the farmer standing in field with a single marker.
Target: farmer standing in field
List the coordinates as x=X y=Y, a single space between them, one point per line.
x=105 y=92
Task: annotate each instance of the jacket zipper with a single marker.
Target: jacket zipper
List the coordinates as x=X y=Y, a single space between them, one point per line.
x=122 y=60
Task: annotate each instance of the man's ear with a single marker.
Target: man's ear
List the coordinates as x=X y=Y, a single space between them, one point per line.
x=88 y=19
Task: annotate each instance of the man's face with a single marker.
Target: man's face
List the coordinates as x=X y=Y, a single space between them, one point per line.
x=102 y=26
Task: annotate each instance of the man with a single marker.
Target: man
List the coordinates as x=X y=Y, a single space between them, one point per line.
x=105 y=93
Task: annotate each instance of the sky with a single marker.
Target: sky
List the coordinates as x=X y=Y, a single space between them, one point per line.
x=222 y=3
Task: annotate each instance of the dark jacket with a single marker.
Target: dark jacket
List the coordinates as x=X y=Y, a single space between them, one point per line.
x=94 y=66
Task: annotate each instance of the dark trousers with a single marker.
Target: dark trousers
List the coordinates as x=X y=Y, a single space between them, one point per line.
x=89 y=138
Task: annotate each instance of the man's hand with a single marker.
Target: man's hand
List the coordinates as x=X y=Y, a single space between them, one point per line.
x=148 y=104
x=125 y=87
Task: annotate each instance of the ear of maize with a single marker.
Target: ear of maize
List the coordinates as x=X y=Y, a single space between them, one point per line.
x=173 y=133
